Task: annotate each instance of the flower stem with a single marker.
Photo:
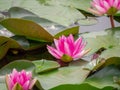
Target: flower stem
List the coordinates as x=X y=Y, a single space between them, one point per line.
x=112 y=21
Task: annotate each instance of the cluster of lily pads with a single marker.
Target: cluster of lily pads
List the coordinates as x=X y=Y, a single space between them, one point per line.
x=42 y=48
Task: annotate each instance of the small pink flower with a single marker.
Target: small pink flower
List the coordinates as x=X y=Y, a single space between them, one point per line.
x=22 y=79
x=68 y=49
x=101 y=7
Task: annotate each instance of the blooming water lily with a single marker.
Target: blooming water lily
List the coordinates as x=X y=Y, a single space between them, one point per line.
x=67 y=49
x=101 y=7
x=109 y=7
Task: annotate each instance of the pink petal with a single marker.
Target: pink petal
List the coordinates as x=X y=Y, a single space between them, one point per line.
x=79 y=55
x=80 y=49
x=95 y=12
x=9 y=82
x=115 y=4
x=77 y=45
x=71 y=38
x=118 y=6
x=56 y=44
x=60 y=43
x=70 y=41
x=111 y=2
x=101 y=3
x=29 y=75
x=100 y=9
x=96 y=2
x=26 y=85
x=67 y=49
x=106 y=5
x=54 y=52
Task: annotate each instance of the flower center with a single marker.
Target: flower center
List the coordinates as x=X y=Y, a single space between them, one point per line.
x=66 y=58
x=112 y=11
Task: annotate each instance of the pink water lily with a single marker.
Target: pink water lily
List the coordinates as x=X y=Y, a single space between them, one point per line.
x=68 y=49
x=22 y=80
x=101 y=7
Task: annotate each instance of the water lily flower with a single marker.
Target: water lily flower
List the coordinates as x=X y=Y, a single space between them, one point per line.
x=109 y=7
x=20 y=80
x=68 y=49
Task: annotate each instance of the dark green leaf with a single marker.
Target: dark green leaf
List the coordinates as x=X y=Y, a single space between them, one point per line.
x=5 y=44
x=73 y=30
x=75 y=87
x=26 y=28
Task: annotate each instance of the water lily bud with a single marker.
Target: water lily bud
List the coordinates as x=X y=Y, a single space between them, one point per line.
x=20 y=80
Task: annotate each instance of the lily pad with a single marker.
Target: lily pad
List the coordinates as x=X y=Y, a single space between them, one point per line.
x=30 y=30
x=109 y=40
x=102 y=79
x=19 y=65
x=45 y=65
x=79 y=87
x=66 y=32
x=51 y=9
x=7 y=43
x=60 y=76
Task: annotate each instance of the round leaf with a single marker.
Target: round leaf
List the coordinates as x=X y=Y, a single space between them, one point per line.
x=26 y=28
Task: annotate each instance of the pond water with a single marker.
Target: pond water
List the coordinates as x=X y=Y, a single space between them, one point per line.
x=103 y=23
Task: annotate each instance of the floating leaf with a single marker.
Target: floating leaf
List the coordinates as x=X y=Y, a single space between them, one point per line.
x=45 y=65
x=64 y=75
x=113 y=52
x=19 y=65
x=79 y=4
x=112 y=61
x=102 y=79
x=79 y=87
x=52 y=9
x=88 y=21
x=75 y=87
x=26 y=28
x=17 y=12
x=7 y=43
x=73 y=30
x=108 y=40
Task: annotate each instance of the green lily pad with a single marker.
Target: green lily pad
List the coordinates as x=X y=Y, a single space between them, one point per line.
x=30 y=30
x=79 y=4
x=17 y=12
x=19 y=65
x=105 y=77
x=88 y=21
x=114 y=52
x=75 y=87
x=84 y=86
x=64 y=75
x=66 y=32
x=51 y=9
x=45 y=65
x=109 y=40
x=7 y=43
